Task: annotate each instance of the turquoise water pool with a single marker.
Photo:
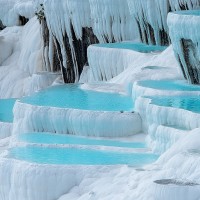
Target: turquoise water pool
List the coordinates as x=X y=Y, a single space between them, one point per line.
x=188 y=12
x=139 y=47
x=74 y=156
x=72 y=96
x=181 y=85
x=191 y=103
x=6 y=110
x=46 y=138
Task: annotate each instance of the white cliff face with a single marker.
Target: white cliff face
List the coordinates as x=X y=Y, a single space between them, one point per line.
x=21 y=61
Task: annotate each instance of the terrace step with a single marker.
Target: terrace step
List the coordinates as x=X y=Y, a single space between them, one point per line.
x=109 y=60
x=162 y=137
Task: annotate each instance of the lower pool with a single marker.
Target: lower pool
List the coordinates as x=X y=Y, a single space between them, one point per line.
x=180 y=85
x=46 y=138
x=191 y=103
x=74 y=156
x=72 y=96
x=139 y=47
x=6 y=110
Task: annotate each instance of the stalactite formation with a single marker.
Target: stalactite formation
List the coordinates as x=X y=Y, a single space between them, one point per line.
x=192 y=61
x=151 y=17
x=184 y=33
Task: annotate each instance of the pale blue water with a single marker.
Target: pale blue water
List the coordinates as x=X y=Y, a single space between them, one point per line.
x=6 y=109
x=74 y=156
x=188 y=12
x=46 y=138
x=191 y=103
x=72 y=96
x=180 y=85
x=139 y=47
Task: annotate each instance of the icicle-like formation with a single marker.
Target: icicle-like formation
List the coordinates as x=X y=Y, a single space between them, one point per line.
x=69 y=22
x=151 y=17
x=165 y=124
x=112 y=21
x=184 y=4
x=184 y=32
x=106 y=63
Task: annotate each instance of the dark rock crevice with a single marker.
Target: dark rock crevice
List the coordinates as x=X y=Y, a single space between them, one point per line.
x=75 y=52
x=191 y=67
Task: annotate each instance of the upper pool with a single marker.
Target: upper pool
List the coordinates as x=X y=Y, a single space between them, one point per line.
x=139 y=47
x=72 y=96
x=6 y=110
x=47 y=138
x=180 y=85
x=188 y=12
x=74 y=156
x=191 y=103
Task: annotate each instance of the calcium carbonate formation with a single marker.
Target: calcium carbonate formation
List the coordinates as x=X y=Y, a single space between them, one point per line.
x=184 y=33
x=69 y=27
x=57 y=41
x=151 y=17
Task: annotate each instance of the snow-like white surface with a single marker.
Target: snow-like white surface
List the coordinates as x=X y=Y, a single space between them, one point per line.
x=111 y=20
x=29 y=118
x=21 y=61
x=120 y=182
x=107 y=63
x=5 y=129
x=123 y=66
x=171 y=128
x=138 y=71
x=165 y=125
x=10 y=10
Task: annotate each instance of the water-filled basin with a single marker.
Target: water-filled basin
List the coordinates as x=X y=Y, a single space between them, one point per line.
x=188 y=12
x=139 y=47
x=75 y=156
x=72 y=96
x=6 y=110
x=191 y=103
x=180 y=85
x=47 y=138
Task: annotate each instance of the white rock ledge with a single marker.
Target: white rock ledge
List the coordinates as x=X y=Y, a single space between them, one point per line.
x=5 y=129
x=31 y=118
x=29 y=181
